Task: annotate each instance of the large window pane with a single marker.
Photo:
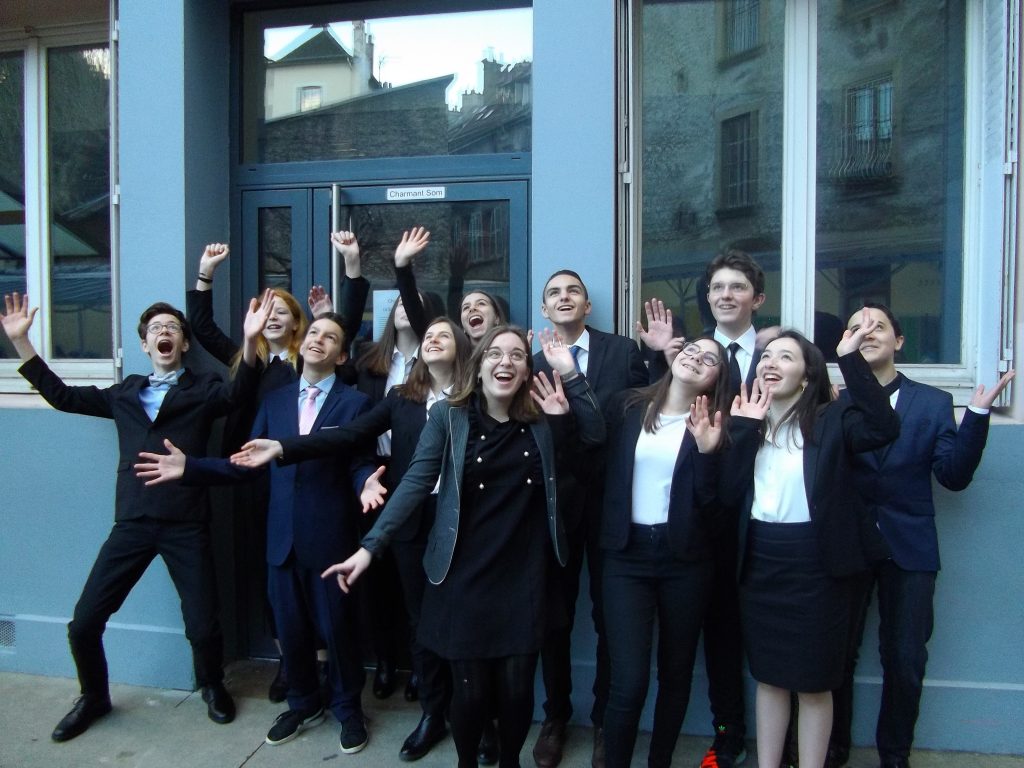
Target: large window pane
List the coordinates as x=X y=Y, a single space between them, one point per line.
x=78 y=152
x=890 y=168
x=12 y=181
x=401 y=86
x=711 y=147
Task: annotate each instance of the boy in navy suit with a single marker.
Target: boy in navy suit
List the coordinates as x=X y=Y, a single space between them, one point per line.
x=311 y=523
x=172 y=403
x=896 y=481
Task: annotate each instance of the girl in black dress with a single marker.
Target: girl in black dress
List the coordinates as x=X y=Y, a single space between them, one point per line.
x=807 y=530
x=491 y=447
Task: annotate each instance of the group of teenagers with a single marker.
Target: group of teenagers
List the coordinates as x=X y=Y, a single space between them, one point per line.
x=722 y=487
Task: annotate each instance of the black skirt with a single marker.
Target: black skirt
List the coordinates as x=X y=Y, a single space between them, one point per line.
x=795 y=616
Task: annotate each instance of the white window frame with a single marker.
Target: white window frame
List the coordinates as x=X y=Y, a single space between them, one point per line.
x=37 y=235
x=990 y=175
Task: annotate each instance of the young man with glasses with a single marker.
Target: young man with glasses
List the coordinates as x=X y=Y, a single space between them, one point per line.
x=173 y=404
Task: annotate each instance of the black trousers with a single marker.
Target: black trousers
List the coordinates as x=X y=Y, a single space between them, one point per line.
x=129 y=549
x=643 y=583
x=435 y=685
x=556 y=660
x=723 y=639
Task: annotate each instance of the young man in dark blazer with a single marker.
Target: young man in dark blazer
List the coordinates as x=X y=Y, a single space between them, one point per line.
x=311 y=523
x=172 y=403
x=611 y=363
x=897 y=482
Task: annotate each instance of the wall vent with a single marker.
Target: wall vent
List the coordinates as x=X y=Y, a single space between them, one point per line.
x=7 y=638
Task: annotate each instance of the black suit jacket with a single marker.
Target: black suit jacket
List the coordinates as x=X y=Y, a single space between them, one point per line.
x=613 y=365
x=692 y=497
x=897 y=479
x=848 y=539
x=184 y=418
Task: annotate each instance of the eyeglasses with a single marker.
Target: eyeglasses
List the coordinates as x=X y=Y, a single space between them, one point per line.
x=707 y=358
x=495 y=355
x=155 y=328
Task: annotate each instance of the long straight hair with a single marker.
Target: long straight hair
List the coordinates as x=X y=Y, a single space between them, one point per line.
x=417 y=386
x=523 y=408
x=655 y=395
x=817 y=394
x=292 y=351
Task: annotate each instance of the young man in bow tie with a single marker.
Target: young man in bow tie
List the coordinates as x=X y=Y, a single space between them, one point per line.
x=170 y=521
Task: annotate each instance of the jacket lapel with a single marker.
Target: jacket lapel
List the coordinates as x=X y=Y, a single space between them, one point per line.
x=595 y=357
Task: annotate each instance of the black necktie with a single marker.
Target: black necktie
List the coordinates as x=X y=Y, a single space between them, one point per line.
x=735 y=379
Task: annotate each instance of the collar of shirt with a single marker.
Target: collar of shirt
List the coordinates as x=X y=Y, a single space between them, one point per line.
x=442 y=395
x=747 y=341
x=399 y=369
x=324 y=385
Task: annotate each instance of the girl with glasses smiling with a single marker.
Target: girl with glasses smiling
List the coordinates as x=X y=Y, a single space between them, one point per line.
x=491 y=448
x=660 y=490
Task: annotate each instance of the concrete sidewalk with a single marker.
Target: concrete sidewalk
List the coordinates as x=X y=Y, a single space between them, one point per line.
x=157 y=728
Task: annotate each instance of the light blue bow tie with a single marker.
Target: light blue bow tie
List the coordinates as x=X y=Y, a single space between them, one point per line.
x=164 y=379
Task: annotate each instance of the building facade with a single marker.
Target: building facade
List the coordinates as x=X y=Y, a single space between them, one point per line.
x=860 y=149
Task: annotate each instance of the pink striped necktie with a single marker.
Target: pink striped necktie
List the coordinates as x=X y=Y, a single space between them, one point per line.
x=308 y=414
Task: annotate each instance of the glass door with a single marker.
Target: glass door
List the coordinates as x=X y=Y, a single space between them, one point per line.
x=478 y=240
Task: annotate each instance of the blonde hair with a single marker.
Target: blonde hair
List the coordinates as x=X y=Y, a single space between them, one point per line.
x=291 y=355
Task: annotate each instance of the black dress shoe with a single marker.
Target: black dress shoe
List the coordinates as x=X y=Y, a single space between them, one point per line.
x=279 y=685
x=487 y=752
x=429 y=732
x=384 y=679
x=219 y=704
x=87 y=710
x=412 y=688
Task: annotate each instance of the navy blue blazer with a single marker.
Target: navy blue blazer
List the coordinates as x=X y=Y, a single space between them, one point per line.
x=897 y=479
x=848 y=540
x=691 y=509
x=404 y=417
x=314 y=506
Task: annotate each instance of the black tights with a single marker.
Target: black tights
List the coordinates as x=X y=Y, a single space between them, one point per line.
x=481 y=687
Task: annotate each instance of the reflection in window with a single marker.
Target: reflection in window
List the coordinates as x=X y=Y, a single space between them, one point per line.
x=275 y=247
x=711 y=165
x=469 y=248
x=739 y=161
x=442 y=84
x=78 y=147
x=742 y=21
x=12 y=181
x=890 y=181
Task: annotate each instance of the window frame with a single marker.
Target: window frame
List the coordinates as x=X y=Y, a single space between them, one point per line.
x=37 y=208
x=990 y=169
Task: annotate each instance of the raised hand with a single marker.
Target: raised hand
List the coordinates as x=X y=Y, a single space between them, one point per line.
x=319 y=301
x=754 y=407
x=350 y=570
x=659 y=325
x=213 y=255
x=258 y=314
x=157 y=468
x=413 y=241
x=17 y=318
x=673 y=348
x=558 y=355
x=706 y=430
x=852 y=340
x=346 y=244
x=549 y=396
x=373 y=493
x=257 y=453
x=984 y=399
